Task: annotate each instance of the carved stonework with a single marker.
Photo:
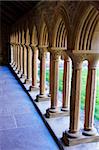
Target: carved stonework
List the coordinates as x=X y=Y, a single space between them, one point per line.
x=56 y=54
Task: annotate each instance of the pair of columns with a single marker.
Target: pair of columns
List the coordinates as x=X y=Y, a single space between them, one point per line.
x=54 y=75
x=42 y=95
x=30 y=65
x=15 y=56
x=89 y=99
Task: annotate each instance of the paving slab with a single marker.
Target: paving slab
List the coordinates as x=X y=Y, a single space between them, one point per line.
x=21 y=127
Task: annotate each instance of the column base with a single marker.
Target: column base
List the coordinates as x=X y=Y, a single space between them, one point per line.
x=91 y=132
x=49 y=95
x=16 y=71
x=14 y=67
x=55 y=112
x=69 y=139
x=23 y=76
x=65 y=109
x=27 y=81
x=34 y=88
x=40 y=98
x=38 y=81
x=19 y=74
x=11 y=63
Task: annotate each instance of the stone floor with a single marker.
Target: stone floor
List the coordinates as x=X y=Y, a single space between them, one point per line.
x=21 y=127
x=59 y=124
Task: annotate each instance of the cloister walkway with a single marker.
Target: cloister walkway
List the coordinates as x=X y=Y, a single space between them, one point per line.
x=21 y=127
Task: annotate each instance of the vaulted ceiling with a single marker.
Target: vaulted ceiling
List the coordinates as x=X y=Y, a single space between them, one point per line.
x=11 y=11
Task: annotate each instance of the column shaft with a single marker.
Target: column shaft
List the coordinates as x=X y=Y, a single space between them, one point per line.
x=90 y=97
x=75 y=98
x=25 y=61
x=18 y=58
x=34 y=67
x=66 y=85
x=42 y=73
x=17 y=55
x=50 y=74
x=54 y=90
x=29 y=65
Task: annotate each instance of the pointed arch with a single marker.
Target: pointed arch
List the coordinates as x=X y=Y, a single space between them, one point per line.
x=95 y=37
x=44 y=36
x=61 y=28
x=27 y=36
x=59 y=38
x=34 y=36
x=86 y=28
x=23 y=36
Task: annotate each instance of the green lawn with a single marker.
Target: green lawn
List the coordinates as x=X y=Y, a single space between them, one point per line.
x=84 y=76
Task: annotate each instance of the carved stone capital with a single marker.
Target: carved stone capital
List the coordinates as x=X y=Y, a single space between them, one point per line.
x=42 y=52
x=93 y=61
x=64 y=56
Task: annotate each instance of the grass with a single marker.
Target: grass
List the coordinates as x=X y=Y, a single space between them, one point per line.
x=84 y=77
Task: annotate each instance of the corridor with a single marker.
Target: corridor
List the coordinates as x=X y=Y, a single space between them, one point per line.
x=21 y=127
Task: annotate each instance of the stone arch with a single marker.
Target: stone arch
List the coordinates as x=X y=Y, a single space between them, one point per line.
x=61 y=28
x=19 y=36
x=16 y=37
x=44 y=36
x=23 y=36
x=86 y=28
x=34 y=36
x=60 y=34
x=95 y=37
x=27 y=36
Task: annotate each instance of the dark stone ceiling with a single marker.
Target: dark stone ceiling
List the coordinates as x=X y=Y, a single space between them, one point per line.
x=11 y=11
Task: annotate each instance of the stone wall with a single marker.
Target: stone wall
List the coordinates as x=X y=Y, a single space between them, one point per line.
x=3 y=44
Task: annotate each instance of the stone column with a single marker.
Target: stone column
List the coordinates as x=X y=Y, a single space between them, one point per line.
x=34 y=68
x=15 y=56
x=18 y=58
x=66 y=84
x=75 y=100
x=42 y=96
x=16 y=49
x=11 y=57
x=21 y=59
x=29 y=63
x=50 y=72
x=12 y=54
x=54 y=89
x=19 y=62
x=25 y=62
x=90 y=99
